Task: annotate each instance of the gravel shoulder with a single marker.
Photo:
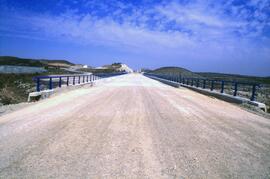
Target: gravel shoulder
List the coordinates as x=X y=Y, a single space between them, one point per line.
x=133 y=127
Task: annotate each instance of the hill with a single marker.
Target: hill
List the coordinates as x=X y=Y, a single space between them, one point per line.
x=176 y=71
x=9 y=60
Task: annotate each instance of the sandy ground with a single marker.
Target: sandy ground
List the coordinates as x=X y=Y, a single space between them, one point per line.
x=133 y=127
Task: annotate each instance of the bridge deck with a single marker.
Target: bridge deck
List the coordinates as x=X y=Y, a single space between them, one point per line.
x=132 y=127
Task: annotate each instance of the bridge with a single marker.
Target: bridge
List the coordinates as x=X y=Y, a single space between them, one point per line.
x=132 y=126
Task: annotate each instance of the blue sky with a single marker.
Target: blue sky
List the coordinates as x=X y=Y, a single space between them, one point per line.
x=230 y=36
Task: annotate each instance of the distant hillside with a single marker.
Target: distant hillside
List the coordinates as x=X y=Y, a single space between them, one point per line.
x=57 y=61
x=176 y=70
x=115 y=67
x=8 y=60
x=235 y=77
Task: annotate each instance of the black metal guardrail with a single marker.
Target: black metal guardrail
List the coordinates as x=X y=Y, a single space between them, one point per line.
x=207 y=83
x=59 y=80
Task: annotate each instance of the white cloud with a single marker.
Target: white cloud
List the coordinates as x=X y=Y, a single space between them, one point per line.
x=191 y=30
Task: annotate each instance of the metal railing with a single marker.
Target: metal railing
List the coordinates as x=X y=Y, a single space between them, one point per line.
x=53 y=81
x=221 y=85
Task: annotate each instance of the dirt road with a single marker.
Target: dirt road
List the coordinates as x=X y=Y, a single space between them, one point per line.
x=133 y=127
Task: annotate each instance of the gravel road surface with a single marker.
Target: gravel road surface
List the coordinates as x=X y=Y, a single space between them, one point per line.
x=133 y=127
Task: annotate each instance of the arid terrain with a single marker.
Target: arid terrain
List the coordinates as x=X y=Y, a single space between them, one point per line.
x=133 y=127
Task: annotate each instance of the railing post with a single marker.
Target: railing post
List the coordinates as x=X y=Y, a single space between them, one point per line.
x=73 y=80
x=235 y=88
x=87 y=78
x=60 y=82
x=67 y=80
x=222 y=87
x=83 y=78
x=38 y=84
x=79 y=79
x=253 y=96
x=50 y=83
x=197 y=83
x=188 y=81
x=204 y=81
x=191 y=81
x=212 y=85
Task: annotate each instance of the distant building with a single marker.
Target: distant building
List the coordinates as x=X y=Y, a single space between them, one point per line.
x=85 y=66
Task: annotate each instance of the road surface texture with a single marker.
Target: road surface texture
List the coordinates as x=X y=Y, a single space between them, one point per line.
x=133 y=127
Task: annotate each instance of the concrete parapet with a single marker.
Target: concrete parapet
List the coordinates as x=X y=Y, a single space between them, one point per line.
x=35 y=96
